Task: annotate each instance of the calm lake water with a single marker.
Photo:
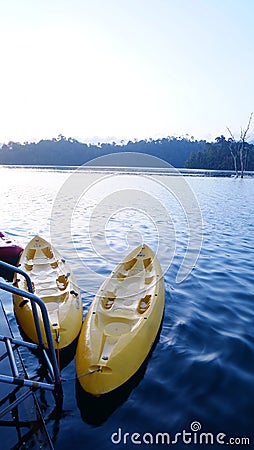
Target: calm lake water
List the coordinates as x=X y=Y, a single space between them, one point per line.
x=200 y=374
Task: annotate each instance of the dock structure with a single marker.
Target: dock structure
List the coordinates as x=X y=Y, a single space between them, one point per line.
x=21 y=421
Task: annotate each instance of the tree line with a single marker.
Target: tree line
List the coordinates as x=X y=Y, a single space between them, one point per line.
x=226 y=154
x=183 y=151
x=223 y=154
x=70 y=152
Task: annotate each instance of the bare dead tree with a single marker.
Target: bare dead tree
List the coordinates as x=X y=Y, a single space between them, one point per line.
x=242 y=146
x=238 y=148
x=234 y=150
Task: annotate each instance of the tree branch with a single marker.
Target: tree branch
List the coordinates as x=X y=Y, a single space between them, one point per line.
x=248 y=126
x=232 y=136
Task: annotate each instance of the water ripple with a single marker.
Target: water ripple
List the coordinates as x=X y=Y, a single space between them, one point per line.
x=202 y=366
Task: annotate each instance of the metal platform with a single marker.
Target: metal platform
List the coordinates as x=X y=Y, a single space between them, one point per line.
x=21 y=422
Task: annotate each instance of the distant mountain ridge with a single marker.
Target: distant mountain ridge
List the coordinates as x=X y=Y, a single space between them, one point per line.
x=180 y=152
x=64 y=151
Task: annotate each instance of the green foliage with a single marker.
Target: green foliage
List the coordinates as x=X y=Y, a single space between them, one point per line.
x=219 y=155
x=178 y=151
x=69 y=152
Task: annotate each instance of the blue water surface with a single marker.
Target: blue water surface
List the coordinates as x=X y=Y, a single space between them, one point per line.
x=199 y=375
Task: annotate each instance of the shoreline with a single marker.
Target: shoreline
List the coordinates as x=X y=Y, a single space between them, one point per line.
x=131 y=169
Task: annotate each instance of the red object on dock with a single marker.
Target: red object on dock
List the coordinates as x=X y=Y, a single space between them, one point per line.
x=9 y=250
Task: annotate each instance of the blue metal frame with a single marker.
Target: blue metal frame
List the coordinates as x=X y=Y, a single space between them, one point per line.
x=15 y=269
x=34 y=301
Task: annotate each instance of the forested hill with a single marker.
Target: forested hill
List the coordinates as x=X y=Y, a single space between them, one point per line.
x=222 y=154
x=70 y=152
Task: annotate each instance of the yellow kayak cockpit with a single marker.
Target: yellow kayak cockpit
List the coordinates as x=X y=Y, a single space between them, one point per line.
x=122 y=322
x=54 y=283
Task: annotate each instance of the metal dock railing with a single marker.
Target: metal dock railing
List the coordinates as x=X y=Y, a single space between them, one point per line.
x=21 y=423
x=12 y=370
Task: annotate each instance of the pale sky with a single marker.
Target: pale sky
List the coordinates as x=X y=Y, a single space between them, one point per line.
x=125 y=69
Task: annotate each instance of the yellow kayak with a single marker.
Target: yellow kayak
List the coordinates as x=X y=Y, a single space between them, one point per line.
x=122 y=323
x=54 y=283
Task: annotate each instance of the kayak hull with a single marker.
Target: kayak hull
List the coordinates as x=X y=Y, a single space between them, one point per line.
x=54 y=283
x=122 y=323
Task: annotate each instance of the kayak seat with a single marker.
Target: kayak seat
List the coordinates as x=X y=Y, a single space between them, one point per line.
x=117 y=315
x=131 y=287
x=117 y=328
x=122 y=312
x=112 y=307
